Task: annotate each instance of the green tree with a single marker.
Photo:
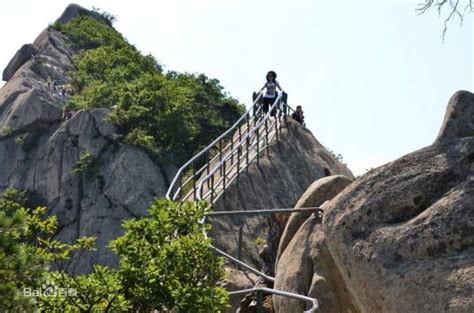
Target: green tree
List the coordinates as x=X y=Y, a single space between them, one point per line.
x=27 y=250
x=165 y=263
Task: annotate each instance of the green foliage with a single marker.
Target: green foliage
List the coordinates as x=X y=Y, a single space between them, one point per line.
x=85 y=163
x=166 y=263
x=172 y=115
x=20 y=140
x=106 y=16
x=87 y=33
x=338 y=156
x=27 y=249
x=5 y=131
x=99 y=291
x=260 y=242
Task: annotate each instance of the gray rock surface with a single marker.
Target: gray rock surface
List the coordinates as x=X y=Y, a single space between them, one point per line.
x=305 y=265
x=39 y=152
x=320 y=191
x=459 y=118
x=74 y=10
x=402 y=236
x=238 y=280
x=278 y=181
x=26 y=52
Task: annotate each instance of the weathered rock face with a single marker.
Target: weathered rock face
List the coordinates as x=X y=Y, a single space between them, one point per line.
x=402 y=236
x=321 y=190
x=305 y=265
x=39 y=151
x=74 y=10
x=238 y=280
x=459 y=119
x=278 y=181
x=26 y=52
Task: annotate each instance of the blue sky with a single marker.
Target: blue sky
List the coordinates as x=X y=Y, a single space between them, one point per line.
x=373 y=77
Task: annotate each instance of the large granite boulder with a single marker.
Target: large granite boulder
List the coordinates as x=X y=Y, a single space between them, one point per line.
x=320 y=191
x=305 y=265
x=402 y=236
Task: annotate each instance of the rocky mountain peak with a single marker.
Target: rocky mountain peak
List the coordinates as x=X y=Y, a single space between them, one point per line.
x=73 y=10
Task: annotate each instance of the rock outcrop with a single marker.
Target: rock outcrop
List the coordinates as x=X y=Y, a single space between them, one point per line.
x=278 y=181
x=459 y=119
x=74 y=10
x=400 y=238
x=76 y=167
x=305 y=265
x=320 y=191
x=24 y=54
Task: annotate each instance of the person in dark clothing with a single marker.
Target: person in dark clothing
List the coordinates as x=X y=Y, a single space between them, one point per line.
x=298 y=115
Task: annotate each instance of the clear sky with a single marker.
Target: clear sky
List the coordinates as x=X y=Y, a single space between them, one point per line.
x=373 y=77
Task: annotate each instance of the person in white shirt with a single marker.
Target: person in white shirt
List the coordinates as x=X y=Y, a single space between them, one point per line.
x=271 y=93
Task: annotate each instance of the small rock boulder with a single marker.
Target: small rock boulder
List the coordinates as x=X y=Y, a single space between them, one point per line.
x=74 y=10
x=20 y=58
x=459 y=118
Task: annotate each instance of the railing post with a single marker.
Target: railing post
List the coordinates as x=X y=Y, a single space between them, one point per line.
x=239 y=149
x=277 y=129
x=207 y=167
x=212 y=190
x=239 y=243
x=266 y=137
x=231 y=149
x=223 y=177
x=258 y=146
x=194 y=181
x=247 y=153
x=259 y=302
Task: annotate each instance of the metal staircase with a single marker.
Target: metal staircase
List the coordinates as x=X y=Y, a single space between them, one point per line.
x=209 y=173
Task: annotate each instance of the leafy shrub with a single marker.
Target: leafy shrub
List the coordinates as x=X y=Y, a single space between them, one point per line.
x=173 y=114
x=85 y=162
x=165 y=263
x=87 y=33
x=27 y=249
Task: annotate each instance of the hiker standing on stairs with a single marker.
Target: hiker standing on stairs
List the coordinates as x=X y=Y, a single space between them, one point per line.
x=270 y=93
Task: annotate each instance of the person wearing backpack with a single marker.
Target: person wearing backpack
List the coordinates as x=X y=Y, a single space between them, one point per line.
x=271 y=93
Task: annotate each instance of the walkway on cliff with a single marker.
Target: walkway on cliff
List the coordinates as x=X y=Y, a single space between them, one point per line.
x=209 y=173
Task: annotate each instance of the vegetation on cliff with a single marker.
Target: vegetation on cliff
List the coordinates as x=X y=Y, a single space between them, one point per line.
x=171 y=114
x=165 y=263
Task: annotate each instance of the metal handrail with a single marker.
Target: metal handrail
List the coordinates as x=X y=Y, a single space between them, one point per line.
x=236 y=125
x=274 y=110
x=245 y=265
x=265 y=212
x=313 y=301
